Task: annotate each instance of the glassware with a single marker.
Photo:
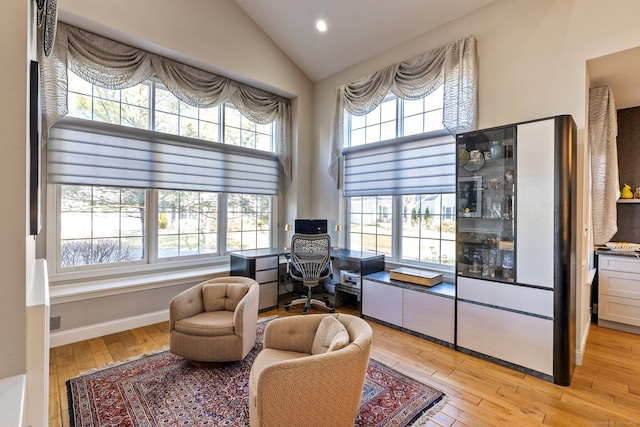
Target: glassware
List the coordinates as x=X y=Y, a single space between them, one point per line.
x=488 y=262
x=497 y=150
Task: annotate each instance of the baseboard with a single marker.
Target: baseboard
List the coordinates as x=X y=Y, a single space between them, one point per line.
x=580 y=351
x=98 y=330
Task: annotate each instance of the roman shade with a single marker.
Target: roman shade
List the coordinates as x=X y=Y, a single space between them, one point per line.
x=401 y=166
x=82 y=152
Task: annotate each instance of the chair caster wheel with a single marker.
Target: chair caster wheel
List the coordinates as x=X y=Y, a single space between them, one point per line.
x=286 y=307
x=332 y=310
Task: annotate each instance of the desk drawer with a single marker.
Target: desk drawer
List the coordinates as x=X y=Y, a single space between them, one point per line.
x=268 y=295
x=266 y=263
x=265 y=276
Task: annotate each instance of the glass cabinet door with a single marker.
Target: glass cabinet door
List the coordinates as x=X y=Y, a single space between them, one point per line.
x=486 y=198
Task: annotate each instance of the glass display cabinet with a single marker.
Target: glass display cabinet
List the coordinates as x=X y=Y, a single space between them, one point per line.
x=486 y=197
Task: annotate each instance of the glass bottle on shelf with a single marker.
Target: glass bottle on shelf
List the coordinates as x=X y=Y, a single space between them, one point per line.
x=486 y=201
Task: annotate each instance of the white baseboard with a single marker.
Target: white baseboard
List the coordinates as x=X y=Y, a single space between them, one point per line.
x=580 y=351
x=98 y=330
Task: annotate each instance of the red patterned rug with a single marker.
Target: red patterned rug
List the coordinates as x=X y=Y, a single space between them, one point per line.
x=165 y=390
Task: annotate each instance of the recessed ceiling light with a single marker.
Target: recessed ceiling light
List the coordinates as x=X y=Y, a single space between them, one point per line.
x=321 y=25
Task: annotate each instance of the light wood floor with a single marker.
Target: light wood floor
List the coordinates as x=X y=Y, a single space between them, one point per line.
x=605 y=390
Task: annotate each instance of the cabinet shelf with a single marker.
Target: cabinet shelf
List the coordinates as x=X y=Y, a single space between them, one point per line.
x=628 y=201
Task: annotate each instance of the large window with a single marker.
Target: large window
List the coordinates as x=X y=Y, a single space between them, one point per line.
x=100 y=227
x=408 y=228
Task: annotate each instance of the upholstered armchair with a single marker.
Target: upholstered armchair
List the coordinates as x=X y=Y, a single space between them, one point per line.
x=215 y=321
x=311 y=371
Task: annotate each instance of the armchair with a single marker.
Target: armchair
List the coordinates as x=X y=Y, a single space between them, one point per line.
x=215 y=321
x=311 y=371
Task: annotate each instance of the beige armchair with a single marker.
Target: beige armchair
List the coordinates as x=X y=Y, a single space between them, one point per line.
x=310 y=372
x=215 y=321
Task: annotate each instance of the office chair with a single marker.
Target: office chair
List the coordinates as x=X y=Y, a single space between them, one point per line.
x=310 y=263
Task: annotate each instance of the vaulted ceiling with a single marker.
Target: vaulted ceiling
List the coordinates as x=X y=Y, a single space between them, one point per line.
x=356 y=29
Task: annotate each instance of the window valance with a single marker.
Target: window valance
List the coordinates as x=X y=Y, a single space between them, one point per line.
x=454 y=66
x=114 y=65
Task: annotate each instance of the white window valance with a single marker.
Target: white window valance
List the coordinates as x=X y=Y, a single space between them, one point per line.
x=114 y=65
x=453 y=66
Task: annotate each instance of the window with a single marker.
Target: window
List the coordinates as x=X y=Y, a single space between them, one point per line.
x=187 y=223
x=377 y=125
x=396 y=117
x=179 y=118
x=134 y=107
x=107 y=226
x=100 y=226
x=248 y=221
x=384 y=215
x=126 y=107
x=428 y=228
x=370 y=222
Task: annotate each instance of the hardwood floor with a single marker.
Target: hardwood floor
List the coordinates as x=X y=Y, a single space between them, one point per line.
x=605 y=390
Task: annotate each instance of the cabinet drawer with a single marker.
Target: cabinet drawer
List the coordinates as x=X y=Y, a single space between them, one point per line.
x=619 y=263
x=268 y=295
x=516 y=338
x=619 y=284
x=265 y=276
x=514 y=297
x=382 y=302
x=429 y=314
x=266 y=263
x=621 y=310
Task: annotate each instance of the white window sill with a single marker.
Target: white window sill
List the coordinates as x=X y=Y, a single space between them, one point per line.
x=90 y=289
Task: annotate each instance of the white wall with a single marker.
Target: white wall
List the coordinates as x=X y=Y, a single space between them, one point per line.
x=532 y=58
x=16 y=247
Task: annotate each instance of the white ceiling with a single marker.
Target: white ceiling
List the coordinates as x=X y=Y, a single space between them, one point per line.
x=357 y=29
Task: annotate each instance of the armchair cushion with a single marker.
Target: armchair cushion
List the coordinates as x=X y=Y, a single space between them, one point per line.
x=207 y=324
x=331 y=335
x=223 y=296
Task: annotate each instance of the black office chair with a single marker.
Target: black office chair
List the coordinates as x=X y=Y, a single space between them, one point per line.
x=310 y=263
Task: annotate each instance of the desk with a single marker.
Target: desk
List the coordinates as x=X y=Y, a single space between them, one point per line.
x=365 y=262
x=262 y=265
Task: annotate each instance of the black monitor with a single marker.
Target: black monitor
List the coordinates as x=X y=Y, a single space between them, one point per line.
x=310 y=226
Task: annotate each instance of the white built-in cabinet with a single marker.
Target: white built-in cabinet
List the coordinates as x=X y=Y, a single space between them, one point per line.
x=515 y=290
x=416 y=310
x=619 y=292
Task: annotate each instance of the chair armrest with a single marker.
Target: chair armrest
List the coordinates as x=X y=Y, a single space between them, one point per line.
x=294 y=333
x=186 y=304
x=246 y=312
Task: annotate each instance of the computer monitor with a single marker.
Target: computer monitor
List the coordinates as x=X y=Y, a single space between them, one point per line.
x=310 y=226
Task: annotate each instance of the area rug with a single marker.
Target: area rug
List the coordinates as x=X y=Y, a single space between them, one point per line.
x=163 y=389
